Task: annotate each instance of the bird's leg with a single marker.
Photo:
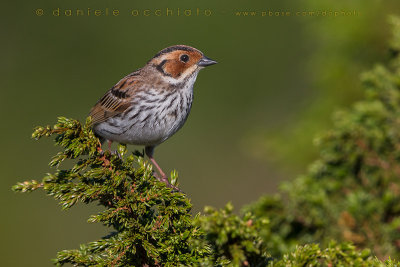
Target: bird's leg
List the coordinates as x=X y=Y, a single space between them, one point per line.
x=99 y=147
x=149 y=150
x=109 y=145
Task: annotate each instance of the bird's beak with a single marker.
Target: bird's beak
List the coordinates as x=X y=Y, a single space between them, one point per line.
x=205 y=61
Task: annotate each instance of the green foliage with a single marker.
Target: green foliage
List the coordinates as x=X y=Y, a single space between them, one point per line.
x=235 y=240
x=151 y=224
x=352 y=192
x=334 y=255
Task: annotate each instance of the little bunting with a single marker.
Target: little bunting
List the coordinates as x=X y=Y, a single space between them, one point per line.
x=151 y=104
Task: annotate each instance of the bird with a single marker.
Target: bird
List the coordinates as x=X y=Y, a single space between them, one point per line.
x=149 y=105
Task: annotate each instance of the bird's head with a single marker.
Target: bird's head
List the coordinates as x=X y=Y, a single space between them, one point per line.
x=177 y=63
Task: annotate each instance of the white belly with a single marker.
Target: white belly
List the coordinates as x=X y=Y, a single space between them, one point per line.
x=151 y=120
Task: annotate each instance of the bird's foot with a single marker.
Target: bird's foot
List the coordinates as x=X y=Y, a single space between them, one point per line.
x=164 y=179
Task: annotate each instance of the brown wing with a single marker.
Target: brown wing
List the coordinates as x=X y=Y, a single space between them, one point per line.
x=116 y=100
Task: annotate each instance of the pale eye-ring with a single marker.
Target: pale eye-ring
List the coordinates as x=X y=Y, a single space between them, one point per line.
x=184 y=58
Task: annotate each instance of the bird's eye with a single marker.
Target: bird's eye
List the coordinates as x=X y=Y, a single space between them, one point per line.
x=184 y=58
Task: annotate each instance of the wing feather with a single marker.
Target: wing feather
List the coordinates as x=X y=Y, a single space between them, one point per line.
x=116 y=100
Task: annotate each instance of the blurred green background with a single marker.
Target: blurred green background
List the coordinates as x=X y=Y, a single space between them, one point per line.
x=253 y=120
